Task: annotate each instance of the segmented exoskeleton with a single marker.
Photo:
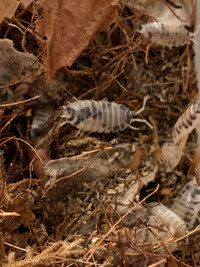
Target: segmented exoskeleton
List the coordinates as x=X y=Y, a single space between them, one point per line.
x=41 y=119
x=187 y=203
x=184 y=211
x=101 y=116
x=171 y=220
x=187 y=122
x=166 y=34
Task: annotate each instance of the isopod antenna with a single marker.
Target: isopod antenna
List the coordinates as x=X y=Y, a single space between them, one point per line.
x=134 y=114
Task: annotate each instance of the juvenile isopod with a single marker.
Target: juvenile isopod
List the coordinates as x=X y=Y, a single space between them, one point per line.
x=166 y=34
x=187 y=203
x=101 y=116
x=187 y=122
x=41 y=119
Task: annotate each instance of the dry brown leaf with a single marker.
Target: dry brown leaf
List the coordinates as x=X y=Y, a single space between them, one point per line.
x=166 y=191
x=26 y=2
x=69 y=26
x=136 y=159
x=8 y=8
x=39 y=163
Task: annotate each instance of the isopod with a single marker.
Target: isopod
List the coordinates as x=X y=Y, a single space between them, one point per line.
x=174 y=223
x=187 y=122
x=165 y=34
x=101 y=116
x=187 y=203
x=41 y=119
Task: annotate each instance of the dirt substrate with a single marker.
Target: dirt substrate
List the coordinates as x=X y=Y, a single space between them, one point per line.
x=83 y=199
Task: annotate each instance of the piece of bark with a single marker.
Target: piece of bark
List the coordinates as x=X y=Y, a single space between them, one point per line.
x=84 y=169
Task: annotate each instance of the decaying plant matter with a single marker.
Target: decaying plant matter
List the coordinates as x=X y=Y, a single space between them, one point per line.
x=71 y=198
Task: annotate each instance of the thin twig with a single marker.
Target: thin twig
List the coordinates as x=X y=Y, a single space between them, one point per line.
x=2 y=180
x=19 y=102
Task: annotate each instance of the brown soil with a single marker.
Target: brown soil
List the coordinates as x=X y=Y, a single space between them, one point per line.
x=75 y=221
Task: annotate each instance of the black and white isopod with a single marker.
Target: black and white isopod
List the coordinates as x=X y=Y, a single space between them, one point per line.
x=187 y=122
x=41 y=119
x=187 y=203
x=166 y=34
x=101 y=116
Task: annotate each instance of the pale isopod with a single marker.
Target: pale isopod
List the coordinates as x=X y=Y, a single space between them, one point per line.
x=187 y=122
x=41 y=119
x=187 y=203
x=174 y=223
x=101 y=116
x=166 y=34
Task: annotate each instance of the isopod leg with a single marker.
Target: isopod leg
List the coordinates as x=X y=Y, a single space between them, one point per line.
x=141 y=120
x=132 y=127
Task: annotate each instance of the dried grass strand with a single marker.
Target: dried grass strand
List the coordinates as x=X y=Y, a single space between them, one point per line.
x=19 y=102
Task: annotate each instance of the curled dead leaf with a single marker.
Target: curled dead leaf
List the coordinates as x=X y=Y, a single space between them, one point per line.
x=69 y=26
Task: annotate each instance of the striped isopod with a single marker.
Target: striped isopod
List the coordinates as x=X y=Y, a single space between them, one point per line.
x=187 y=203
x=187 y=122
x=42 y=117
x=101 y=116
x=166 y=34
x=174 y=223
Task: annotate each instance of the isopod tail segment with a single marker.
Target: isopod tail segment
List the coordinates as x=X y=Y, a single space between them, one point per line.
x=134 y=114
